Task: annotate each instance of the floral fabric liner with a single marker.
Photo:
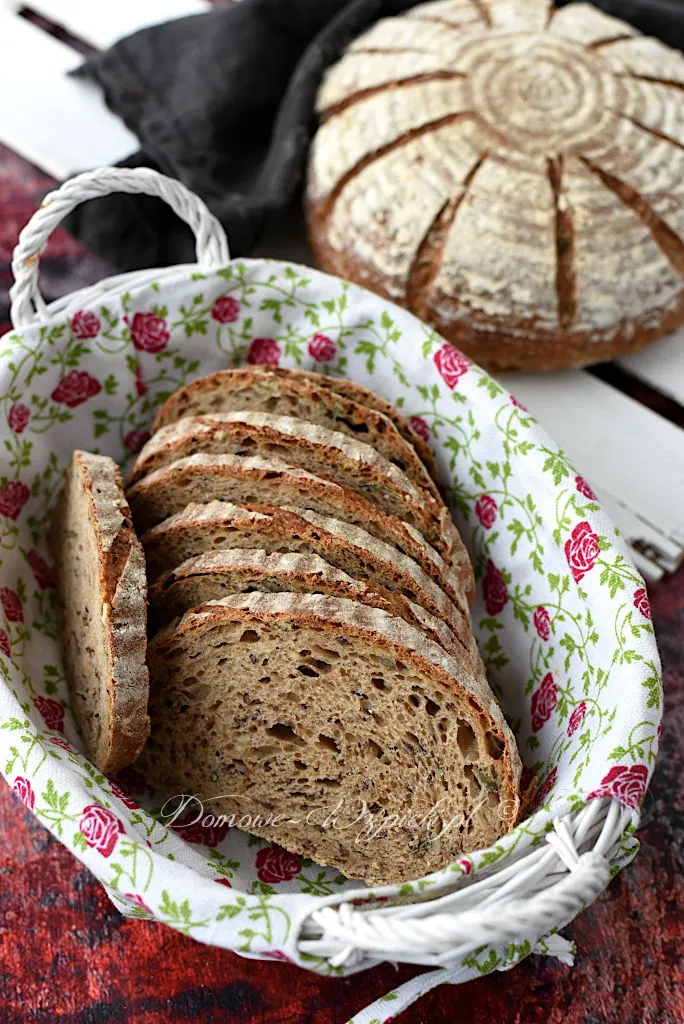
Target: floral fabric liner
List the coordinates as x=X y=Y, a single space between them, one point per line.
x=561 y=616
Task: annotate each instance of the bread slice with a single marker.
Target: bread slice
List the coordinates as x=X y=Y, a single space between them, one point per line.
x=324 y=452
x=296 y=396
x=334 y=729
x=208 y=394
x=102 y=593
x=259 y=481
x=202 y=528
x=217 y=574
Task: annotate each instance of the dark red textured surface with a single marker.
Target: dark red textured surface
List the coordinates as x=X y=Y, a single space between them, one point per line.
x=67 y=955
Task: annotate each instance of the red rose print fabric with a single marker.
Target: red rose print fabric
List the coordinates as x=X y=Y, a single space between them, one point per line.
x=205 y=830
x=74 y=389
x=485 y=510
x=18 y=417
x=420 y=427
x=277 y=865
x=627 y=783
x=264 y=352
x=494 y=589
x=641 y=603
x=577 y=717
x=149 y=332
x=226 y=310
x=13 y=497
x=42 y=573
x=24 y=790
x=11 y=604
x=584 y=488
x=85 y=325
x=544 y=700
x=582 y=551
x=101 y=828
x=451 y=365
x=322 y=348
x=135 y=439
x=542 y=622
x=51 y=712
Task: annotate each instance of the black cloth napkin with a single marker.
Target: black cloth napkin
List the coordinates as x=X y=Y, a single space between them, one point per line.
x=224 y=102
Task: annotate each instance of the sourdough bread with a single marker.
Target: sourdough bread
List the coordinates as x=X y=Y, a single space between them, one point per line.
x=231 y=391
x=221 y=525
x=327 y=453
x=101 y=592
x=511 y=173
x=286 y=704
x=200 y=529
x=195 y=398
x=218 y=574
x=257 y=481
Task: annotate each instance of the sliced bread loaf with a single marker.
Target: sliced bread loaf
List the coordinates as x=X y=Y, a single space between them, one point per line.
x=259 y=481
x=217 y=574
x=334 y=729
x=325 y=452
x=208 y=394
x=220 y=525
x=102 y=592
x=202 y=528
x=298 y=397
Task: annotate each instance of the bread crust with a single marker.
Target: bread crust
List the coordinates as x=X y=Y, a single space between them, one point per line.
x=240 y=570
x=291 y=394
x=219 y=474
x=517 y=183
x=123 y=588
x=197 y=392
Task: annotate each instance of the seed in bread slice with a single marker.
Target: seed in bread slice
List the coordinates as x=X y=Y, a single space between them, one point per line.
x=289 y=395
x=217 y=574
x=102 y=593
x=258 y=481
x=214 y=393
x=334 y=729
x=202 y=528
x=327 y=453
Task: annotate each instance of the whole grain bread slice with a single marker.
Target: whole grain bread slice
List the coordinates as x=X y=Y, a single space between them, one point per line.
x=213 y=527
x=208 y=394
x=258 y=481
x=325 y=452
x=295 y=396
x=101 y=593
x=277 y=709
x=217 y=574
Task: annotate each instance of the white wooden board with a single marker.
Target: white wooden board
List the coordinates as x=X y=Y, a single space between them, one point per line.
x=59 y=123
x=661 y=366
x=102 y=22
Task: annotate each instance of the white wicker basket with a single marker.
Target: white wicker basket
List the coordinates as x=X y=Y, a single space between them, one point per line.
x=560 y=601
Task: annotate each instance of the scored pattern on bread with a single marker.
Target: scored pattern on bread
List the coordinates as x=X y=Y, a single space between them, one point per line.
x=218 y=573
x=102 y=592
x=516 y=179
x=219 y=526
x=285 y=704
x=325 y=452
x=257 y=481
x=233 y=391
x=189 y=400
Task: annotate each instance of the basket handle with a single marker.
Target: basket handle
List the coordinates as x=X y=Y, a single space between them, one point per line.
x=27 y=305
x=544 y=890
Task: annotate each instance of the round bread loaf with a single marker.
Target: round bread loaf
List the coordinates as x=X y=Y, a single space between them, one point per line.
x=512 y=174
